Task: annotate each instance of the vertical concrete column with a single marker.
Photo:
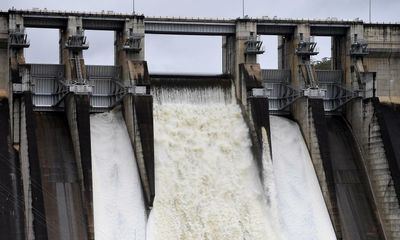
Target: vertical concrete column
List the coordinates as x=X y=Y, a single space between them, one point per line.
x=15 y=58
x=22 y=123
x=137 y=109
x=74 y=28
x=285 y=51
x=340 y=54
x=4 y=58
x=234 y=54
x=302 y=32
x=129 y=45
x=228 y=54
x=11 y=197
x=344 y=59
x=16 y=23
x=77 y=107
x=31 y=172
x=244 y=28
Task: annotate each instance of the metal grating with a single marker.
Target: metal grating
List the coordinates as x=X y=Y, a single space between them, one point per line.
x=280 y=94
x=190 y=28
x=329 y=76
x=47 y=80
x=336 y=94
x=105 y=88
x=44 y=81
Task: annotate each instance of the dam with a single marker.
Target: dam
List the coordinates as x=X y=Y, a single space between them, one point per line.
x=120 y=152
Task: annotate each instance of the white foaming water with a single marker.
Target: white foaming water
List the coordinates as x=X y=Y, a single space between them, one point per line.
x=269 y=185
x=302 y=210
x=119 y=212
x=207 y=183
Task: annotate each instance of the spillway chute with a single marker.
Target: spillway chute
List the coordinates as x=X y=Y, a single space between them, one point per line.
x=119 y=208
x=207 y=182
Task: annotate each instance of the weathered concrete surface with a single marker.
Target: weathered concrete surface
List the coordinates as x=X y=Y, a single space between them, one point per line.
x=258 y=119
x=384 y=57
x=78 y=115
x=234 y=54
x=61 y=187
x=356 y=208
x=131 y=124
x=122 y=57
x=142 y=133
x=363 y=118
x=11 y=196
x=33 y=175
x=4 y=60
x=144 y=118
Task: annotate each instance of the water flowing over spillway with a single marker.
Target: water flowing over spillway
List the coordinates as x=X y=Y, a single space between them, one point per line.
x=207 y=183
x=300 y=203
x=119 y=212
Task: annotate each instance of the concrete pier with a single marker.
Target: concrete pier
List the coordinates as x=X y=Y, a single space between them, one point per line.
x=365 y=67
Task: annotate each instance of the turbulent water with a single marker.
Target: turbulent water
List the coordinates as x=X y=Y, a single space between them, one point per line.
x=301 y=207
x=207 y=184
x=119 y=212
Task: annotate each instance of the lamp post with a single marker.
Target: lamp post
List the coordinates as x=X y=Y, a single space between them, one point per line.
x=370 y=5
x=133 y=7
x=243 y=8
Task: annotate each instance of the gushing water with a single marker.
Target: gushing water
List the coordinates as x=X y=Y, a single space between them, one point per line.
x=207 y=183
x=301 y=207
x=119 y=212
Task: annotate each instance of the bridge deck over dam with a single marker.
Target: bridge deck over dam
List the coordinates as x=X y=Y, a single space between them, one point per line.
x=352 y=102
x=189 y=26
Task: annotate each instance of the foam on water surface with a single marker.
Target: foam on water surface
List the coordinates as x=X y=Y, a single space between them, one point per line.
x=119 y=212
x=301 y=207
x=207 y=182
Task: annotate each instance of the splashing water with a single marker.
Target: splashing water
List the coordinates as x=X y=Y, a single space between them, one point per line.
x=119 y=212
x=207 y=183
x=302 y=210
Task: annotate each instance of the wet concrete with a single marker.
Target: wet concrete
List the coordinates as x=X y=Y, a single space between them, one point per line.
x=61 y=186
x=11 y=198
x=357 y=218
x=389 y=121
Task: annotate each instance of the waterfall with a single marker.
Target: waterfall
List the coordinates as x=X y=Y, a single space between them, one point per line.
x=119 y=212
x=301 y=207
x=207 y=182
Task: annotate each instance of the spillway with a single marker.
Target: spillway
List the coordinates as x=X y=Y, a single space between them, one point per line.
x=207 y=183
x=301 y=208
x=119 y=209
x=60 y=182
x=355 y=208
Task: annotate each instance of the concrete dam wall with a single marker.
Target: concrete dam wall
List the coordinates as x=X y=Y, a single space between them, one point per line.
x=63 y=199
x=114 y=152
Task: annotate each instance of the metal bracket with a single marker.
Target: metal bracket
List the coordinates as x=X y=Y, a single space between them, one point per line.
x=19 y=88
x=280 y=95
x=120 y=91
x=314 y=92
x=132 y=43
x=306 y=47
x=18 y=39
x=254 y=45
x=80 y=89
x=341 y=95
x=359 y=48
x=77 y=41
x=260 y=92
